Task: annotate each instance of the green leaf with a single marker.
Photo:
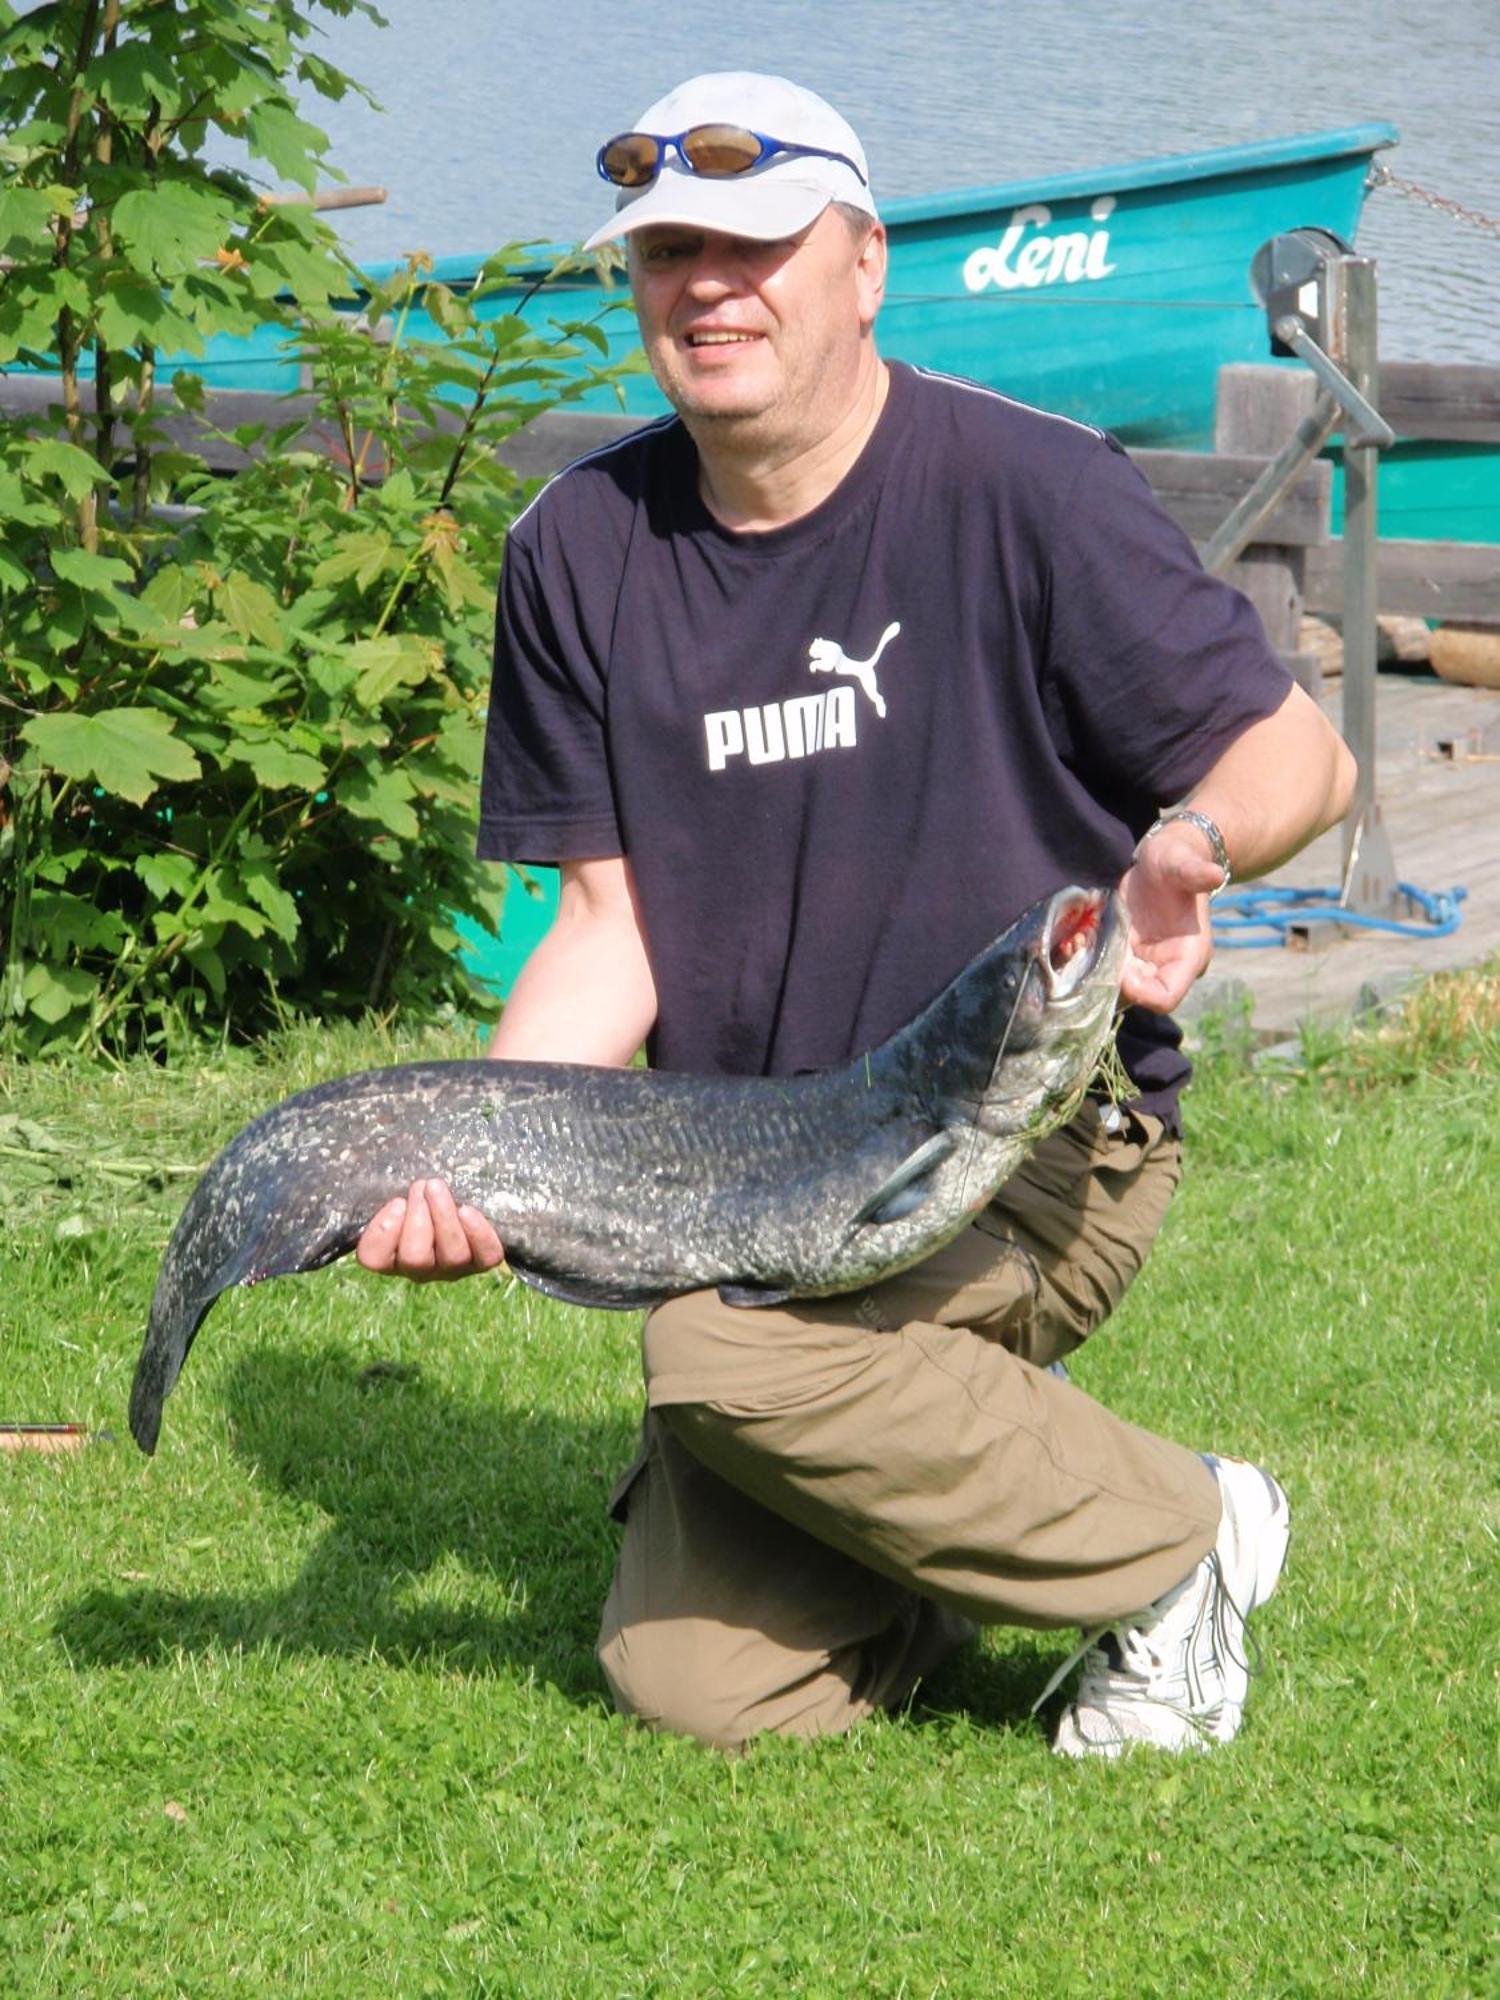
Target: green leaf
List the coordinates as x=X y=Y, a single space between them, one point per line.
x=586 y=330
x=171 y=592
x=205 y=960
x=130 y=309
x=172 y=226
x=449 y=315
x=219 y=909
x=233 y=688
x=189 y=390
x=288 y=143
x=134 y=75
x=396 y=660
x=359 y=733
x=261 y=886
x=72 y=923
x=77 y=470
x=168 y=876
x=276 y=767
x=249 y=609
x=52 y=992
x=90 y=572
x=364 y=556
x=304 y=269
x=384 y=796
x=25 y=220
x=125 y=750
x=21 y=508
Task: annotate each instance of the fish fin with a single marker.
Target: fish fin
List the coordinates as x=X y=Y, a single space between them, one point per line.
x=576 y=1291
x=752 y=1295
x=281 y=1256
x=902 y=1191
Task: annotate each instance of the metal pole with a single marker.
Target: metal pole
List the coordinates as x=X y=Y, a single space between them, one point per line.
x=1282 y=473
x=1369 y=874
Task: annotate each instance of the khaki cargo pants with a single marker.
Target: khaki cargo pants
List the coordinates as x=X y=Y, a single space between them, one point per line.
x=830 y=1495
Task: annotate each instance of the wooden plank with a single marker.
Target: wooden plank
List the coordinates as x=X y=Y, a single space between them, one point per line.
x=1259 y=410
x=1453 y=400
x=1449 y=580
x=1198 y=489
x=557 y=437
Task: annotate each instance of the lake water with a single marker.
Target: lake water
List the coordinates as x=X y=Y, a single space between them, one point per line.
x=493 y=111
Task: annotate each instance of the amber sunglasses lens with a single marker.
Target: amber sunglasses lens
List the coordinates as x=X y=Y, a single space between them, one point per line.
x=631 y=160
x=720 y=150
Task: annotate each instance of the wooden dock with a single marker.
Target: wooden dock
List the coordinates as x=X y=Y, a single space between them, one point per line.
x=1438 y=785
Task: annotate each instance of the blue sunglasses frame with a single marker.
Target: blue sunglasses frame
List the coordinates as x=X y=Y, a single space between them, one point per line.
x=672 y=143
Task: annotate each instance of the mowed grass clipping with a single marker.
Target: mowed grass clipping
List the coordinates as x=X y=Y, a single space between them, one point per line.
x=308 y=1703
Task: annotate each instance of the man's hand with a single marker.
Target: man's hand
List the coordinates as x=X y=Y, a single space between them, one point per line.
x=1166 y=892
x=425 y=1234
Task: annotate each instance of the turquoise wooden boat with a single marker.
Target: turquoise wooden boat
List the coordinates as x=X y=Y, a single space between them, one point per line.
x=1112 y=294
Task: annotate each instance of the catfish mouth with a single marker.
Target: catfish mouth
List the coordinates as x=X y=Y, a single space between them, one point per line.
x=1077 y=929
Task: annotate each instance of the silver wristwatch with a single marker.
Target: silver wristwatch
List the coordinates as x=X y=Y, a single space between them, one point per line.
x=1209 y=831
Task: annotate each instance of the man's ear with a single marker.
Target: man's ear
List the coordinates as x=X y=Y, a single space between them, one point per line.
x=870 y=273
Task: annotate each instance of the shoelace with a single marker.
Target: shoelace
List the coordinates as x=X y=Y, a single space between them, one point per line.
x=1127 y=1677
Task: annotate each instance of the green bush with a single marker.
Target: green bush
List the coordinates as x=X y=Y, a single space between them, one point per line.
x=239 y=717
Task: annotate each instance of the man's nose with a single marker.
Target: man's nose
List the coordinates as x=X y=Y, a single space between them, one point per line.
x=718 y=268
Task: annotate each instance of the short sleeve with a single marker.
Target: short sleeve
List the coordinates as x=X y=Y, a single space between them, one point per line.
x=1152 y=667
x=545 y=794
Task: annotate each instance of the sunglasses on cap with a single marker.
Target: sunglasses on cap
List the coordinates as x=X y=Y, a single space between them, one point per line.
x=718 y=152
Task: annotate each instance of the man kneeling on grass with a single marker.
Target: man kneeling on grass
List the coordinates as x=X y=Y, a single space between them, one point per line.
x=809 y=690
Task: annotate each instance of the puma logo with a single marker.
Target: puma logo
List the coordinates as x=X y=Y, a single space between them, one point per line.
x=826 y=656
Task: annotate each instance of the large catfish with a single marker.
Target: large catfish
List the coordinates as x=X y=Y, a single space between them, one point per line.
x=622 y=1187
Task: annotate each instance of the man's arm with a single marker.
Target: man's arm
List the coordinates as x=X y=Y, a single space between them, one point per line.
x=1283 y=781
x=585 y=995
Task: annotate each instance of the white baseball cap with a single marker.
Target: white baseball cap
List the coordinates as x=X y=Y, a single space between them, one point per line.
x=779 y=196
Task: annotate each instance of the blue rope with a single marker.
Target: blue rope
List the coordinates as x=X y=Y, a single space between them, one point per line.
x=1246 y=918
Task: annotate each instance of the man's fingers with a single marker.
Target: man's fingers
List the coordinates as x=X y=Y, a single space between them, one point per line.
x=484 y=1244
x=425 y=1234
x=450 y=1240
x=376 y=1249
x=414 y=1252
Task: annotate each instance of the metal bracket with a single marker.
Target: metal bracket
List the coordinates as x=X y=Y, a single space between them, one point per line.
x=1370 y=886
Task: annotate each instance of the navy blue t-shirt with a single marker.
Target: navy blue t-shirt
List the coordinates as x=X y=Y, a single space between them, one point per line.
x=843 y=755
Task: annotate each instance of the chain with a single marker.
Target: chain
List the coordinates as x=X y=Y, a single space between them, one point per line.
x=1381 y=176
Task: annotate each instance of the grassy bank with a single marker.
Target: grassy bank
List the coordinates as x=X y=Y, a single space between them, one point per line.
x=308 y=1703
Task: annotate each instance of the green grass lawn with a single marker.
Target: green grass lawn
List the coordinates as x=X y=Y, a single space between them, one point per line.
x=308 y=1704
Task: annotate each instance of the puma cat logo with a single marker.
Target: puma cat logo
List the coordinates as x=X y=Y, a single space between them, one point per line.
x=827 y=656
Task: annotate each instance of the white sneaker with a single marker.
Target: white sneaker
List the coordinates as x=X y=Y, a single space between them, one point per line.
x=1177 y=1675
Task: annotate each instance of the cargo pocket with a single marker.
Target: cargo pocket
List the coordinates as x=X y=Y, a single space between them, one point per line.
x=1085 y=1205
x=1128 y=1143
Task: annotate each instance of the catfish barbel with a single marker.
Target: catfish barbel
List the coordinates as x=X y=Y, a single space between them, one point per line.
x=623 y=1187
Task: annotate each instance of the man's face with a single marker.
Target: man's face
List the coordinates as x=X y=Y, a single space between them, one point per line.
x=769 y=338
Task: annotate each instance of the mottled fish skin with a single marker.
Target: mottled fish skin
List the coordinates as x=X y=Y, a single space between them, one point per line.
x=624 y=1187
